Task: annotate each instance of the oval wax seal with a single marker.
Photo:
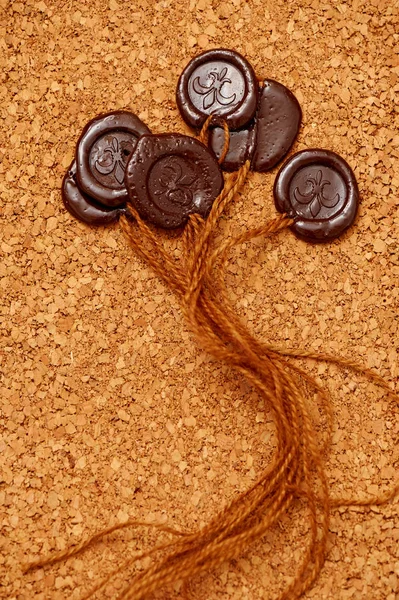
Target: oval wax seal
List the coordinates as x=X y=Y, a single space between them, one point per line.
x=268 y=139
x=278 y=119
x=221 y=83
x=102 y=153
x=170 y=176
x=84 y=208
x=318 y=189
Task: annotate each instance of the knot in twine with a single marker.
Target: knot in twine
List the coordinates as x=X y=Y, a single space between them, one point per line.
x=296 y=469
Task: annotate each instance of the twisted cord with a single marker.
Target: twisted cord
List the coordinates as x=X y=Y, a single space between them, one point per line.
x=296 y=469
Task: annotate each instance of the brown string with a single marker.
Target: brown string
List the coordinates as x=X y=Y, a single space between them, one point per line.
x=203 y=137
x=296 y=469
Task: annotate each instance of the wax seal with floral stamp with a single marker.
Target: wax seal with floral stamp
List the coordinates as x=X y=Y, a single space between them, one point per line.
x=102 y=153
x=170 y=176
x=318 y=189
x=220 y=83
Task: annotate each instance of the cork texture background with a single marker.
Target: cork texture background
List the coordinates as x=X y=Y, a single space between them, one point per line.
x=109 y=409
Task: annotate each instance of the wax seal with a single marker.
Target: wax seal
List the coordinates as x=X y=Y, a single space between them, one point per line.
x=319 y=190
x=278 y=119
x=241 y=146
x=84 y=208
x=171 y=176
x=217 y=82
x=268 y=139
x=102 y=153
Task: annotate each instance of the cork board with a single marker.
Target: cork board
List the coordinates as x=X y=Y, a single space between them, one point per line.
x=109 y=409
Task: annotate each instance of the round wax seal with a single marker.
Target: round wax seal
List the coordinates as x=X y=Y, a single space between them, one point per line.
x=267 y=140
x=220 y=83
x=102 y=153
x=84 y=208
x=319 y=190
x=171 y=176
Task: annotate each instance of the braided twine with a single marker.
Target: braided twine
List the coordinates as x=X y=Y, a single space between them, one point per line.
x=296 y=469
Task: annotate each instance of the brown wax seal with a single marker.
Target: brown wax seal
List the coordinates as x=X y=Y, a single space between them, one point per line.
x=318 y=189
x=241 y=146
x=102 y=153
x=268 y=138
x=84 y=208
x=171 y=176
x=217 y=82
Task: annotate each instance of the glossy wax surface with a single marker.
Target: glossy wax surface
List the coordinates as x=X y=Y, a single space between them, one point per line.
x=84 y=208
x=102 y=153
x=319 y=190
x=268 y=137
x=217 y=82
x=278 y=119
x=171 y=176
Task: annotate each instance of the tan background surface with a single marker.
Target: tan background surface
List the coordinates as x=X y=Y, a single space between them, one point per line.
x=108 y=407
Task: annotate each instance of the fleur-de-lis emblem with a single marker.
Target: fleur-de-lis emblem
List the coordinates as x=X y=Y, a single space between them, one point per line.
x=213 y=92
x=114 y=158
x=176 y=185
x=316 y=198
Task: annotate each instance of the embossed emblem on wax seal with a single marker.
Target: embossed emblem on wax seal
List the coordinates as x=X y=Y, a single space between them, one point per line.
x=102 y=153
x=318 y=189
x=84 y=208
x=109 y=157
x=269 y=136
x=171 y=176
x=217 y=82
